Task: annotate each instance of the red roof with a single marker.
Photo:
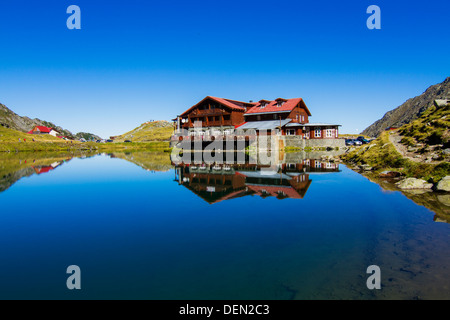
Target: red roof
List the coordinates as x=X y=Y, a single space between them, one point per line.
x=42 y=129
x=40 y=170
x=232 y=104
x=272 y=106
x=237 y=126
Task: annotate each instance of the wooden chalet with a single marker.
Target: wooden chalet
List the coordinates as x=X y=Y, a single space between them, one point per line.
x=214 y=115
x=219 y=116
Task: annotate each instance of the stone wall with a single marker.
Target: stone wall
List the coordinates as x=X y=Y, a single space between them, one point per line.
x=281 y=142
x=298 y=142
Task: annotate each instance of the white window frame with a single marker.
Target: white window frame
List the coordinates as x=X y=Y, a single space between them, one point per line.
x=319 y=131
x=289 y=132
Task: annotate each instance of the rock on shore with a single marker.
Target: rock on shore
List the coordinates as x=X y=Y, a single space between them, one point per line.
x=444 y=184
x=413 y=183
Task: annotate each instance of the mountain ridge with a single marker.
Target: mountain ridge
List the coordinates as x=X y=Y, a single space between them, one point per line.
x=11 y=120
x=410 y=110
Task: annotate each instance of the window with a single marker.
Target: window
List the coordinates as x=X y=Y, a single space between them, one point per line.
x=226 y=117
x=317 y=164
x=258 y=117
x=274 y=117
x=329 y=133
x=263 y=105
x=317 y=133
x=307 y=133
x=290 y=132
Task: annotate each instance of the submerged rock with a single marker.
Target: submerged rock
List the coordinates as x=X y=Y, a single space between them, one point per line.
x=444 y=199
x=444 y=184
x=390 y=174
x=413 y=183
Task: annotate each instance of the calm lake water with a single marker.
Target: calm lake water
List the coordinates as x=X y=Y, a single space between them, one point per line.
x=140 y=228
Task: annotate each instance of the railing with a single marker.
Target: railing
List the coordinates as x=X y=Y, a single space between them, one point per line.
x=210 y=112
x=210 y=124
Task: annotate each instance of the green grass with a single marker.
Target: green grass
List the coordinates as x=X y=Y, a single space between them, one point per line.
x=382 y=155
x=149 y=132
x=9 y=142
x=431 y=128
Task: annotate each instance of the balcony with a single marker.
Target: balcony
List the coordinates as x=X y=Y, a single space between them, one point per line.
x=209 y=124
x=209 y=112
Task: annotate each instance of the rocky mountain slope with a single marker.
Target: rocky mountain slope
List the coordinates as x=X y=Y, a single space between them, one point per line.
x=410 y=110
x=11 y=120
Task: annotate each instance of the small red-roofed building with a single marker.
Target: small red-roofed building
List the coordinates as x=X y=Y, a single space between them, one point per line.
x=44 y=130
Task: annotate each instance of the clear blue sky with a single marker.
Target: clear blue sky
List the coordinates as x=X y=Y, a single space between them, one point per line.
x=133 y=61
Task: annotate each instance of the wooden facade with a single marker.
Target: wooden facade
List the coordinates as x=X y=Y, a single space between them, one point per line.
x=218 y=116
x=214 y=112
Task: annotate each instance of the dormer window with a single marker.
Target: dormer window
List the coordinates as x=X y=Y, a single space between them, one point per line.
x=263 y=103
x=280 y=102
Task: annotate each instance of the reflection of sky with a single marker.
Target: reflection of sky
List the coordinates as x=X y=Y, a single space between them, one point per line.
x=140 y=234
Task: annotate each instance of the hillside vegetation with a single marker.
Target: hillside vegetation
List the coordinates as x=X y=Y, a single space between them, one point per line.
x=11 y=120
x=149 y=131
x=381 y=155
x=9 y=142
x=431 y=128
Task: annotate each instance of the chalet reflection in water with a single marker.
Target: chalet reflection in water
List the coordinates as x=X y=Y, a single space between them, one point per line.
x=215 y=183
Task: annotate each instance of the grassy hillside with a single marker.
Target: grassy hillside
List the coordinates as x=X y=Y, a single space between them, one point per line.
x=9 y=142
x=10 y=135
x=381 y=155
x=431 y=128
x=149 y=131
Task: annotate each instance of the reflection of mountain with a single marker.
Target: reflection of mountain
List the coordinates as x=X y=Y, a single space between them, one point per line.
x=224 y=182
x=438 y=202
x=7 y=179
x=15 y=167
x=150 y=161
